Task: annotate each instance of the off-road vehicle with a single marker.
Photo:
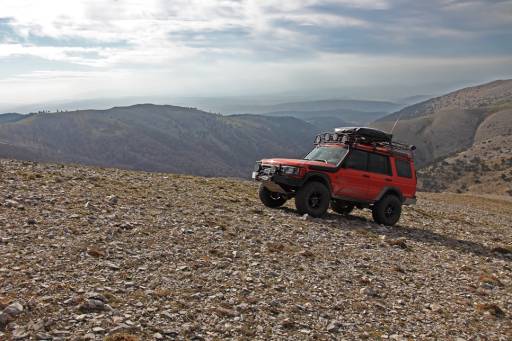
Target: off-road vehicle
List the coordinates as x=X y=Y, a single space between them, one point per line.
x=350 y=167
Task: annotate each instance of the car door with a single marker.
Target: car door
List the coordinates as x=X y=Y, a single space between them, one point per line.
x=380 y=174
x=351 y=178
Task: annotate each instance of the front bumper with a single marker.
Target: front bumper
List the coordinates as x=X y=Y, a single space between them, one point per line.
x=274 y=181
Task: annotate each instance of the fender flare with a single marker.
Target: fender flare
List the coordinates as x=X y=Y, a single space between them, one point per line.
x=390 y=190
x=316 y=176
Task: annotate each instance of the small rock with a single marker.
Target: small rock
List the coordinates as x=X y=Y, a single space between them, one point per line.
x=287 y=324
x=158 y=336
x=97 y=296
x=333 y=327
x=368 y=292
x=112 y=266
x=112 y=199
x=19 y=334
x=4 y=319
x=226 y=312
x=92 y=305
x=43 y=336
x=98 y=330
x=13 y=309
x=435 y=307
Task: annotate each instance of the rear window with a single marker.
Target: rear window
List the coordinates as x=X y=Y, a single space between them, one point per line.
x=403 y=168
x=379 y=164
x=357 y=160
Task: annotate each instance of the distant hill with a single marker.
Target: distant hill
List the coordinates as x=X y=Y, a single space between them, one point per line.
x=11 y=117
x=346 y=116
x=333 y=104
x=446 y=124
x=462 y=137
x=156 y=138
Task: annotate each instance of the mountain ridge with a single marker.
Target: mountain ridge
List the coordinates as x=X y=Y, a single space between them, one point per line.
x=157 y=138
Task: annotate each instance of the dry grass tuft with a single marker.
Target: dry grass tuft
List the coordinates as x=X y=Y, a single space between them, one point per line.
x=95 y=252
x=502 y=249
x=490 y=279
x=490 y=308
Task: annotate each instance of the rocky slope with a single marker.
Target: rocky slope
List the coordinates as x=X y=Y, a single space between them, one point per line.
x=89 y=253
x=486 y=167
x=447 y=124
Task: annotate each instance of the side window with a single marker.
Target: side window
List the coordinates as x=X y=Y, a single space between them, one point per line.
x=379 y=164
x=357 y=159
x=403 y=168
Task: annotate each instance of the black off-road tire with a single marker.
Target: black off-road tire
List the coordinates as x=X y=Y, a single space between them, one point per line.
x=271 y=199
x=313 y=198
x=342 y=207
x=387 y=210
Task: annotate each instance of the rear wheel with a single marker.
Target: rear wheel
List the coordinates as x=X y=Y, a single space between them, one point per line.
x=342 y=207
x=271 y=199
x=387 y=210
x=313 y=198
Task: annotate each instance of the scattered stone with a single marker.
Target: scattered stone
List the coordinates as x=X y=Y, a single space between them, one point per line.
x=112 y=199
x=13 y=309
x=132 y=270
x=43 y=336
x=92 y=305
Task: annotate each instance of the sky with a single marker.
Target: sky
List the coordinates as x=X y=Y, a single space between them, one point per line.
x=63 y=50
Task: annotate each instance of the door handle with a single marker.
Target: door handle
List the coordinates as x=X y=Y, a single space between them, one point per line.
x=388 y=180
x=366 y=176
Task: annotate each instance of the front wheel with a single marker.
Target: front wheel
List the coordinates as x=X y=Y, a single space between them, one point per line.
x=271 y=199
x=342 y=207
x=313 y=199
x=387 y=210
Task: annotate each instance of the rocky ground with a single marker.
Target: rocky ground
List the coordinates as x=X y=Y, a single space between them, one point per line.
x=93 y=254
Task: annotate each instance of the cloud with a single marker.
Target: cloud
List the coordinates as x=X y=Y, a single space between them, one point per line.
x=223 y=44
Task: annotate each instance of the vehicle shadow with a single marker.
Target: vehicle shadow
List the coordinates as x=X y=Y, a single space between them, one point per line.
x=421 y=235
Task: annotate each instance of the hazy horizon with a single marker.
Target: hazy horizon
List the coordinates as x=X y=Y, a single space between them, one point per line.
x=61 y=51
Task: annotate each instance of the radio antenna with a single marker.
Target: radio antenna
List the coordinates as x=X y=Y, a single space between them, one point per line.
x=396 y=122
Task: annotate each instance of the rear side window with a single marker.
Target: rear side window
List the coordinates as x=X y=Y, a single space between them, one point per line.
x=403 y=168
x=357 y=159
x=379 y=164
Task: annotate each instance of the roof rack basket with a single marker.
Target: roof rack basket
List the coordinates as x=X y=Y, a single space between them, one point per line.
x=366 y=136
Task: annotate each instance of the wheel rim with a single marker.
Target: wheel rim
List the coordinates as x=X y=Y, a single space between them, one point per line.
x=389 y=211
x=275 y=196
x=315 y=199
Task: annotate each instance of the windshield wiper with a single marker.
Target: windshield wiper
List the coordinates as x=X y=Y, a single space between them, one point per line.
x=320 y=160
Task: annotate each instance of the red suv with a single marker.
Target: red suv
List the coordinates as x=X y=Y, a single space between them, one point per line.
x=352 y=167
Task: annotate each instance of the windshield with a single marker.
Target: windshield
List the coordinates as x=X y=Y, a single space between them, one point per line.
x=327 y=154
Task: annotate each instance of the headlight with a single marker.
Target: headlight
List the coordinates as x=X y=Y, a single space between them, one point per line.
x=289 y=170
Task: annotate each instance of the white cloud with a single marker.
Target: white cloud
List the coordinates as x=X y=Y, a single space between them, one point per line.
x=136 y=47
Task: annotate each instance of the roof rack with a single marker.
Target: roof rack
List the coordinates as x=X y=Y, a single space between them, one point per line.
x=364 y=136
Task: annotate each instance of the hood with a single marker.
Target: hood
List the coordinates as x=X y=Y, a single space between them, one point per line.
x=295 y=162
